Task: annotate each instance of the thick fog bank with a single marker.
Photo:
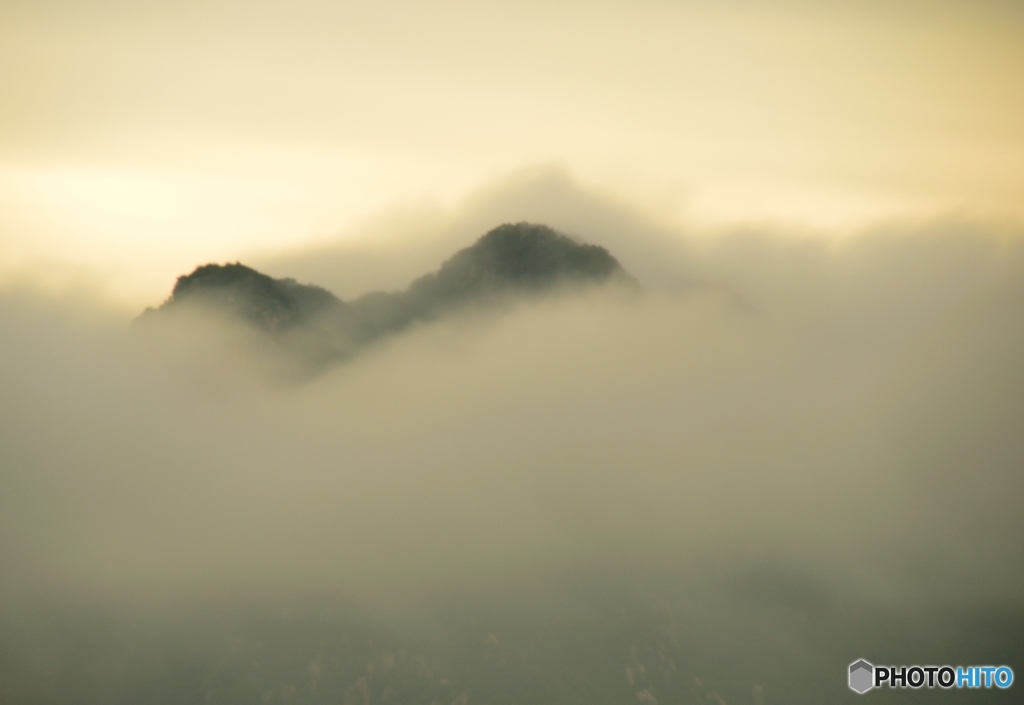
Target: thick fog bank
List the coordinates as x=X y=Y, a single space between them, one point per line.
x=721 y=491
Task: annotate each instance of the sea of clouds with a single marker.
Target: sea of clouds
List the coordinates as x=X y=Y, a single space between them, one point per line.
x=787 y=453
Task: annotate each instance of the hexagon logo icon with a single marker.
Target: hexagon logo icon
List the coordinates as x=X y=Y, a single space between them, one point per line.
x=861 y=676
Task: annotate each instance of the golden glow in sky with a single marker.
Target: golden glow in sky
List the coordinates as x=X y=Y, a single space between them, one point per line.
x=139 y=139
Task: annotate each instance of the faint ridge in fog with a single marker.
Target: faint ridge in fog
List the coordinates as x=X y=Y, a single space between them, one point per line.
x=316 y=327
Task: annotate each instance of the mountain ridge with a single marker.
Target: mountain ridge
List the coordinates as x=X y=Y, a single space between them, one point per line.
x=511 y=260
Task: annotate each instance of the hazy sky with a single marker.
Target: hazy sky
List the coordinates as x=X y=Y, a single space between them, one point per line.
x=812 y=417
x=139 y=139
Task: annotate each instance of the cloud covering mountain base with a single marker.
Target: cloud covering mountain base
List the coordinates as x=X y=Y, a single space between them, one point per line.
x=784 y=456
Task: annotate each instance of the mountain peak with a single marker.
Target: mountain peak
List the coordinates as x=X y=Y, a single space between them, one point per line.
x=536 y=253
x=252 y=296
x=512 y=259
